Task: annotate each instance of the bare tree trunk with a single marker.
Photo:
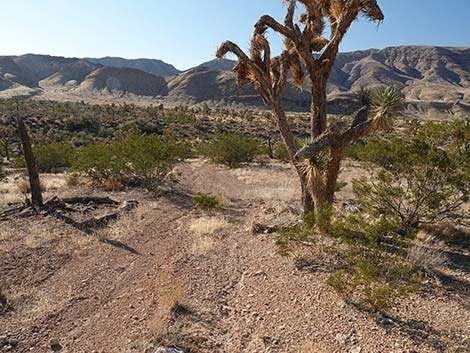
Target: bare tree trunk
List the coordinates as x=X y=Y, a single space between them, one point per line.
x=36 y=193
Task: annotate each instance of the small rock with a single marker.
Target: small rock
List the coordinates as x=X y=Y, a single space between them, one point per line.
x=168 y=350
x=54 y=342
x=129 y=205
x=356 y=350
x=342 y=338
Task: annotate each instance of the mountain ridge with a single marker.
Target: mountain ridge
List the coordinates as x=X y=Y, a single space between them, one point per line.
x=435 y=80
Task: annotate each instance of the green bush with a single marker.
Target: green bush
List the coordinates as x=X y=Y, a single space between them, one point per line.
x=137 y=159
x=205 y=201
x=376 y=269
x=53 y=157
x=231 y=150
x=50 y=158
x=422 y=178
x=373 y=254
x=280 y=152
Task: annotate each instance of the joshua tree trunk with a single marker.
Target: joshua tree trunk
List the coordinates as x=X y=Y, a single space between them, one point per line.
x=308 y=205
x=318 y=108
x=36 y=193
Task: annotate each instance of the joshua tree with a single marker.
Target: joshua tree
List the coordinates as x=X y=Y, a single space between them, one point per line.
x=309 y=55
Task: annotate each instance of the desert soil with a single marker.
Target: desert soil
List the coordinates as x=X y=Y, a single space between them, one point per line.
x=164 y=274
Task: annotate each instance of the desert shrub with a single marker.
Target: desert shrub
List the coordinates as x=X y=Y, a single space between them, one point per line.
x=377 y=270
x=205 y=201
x=137 y=159
x=100 y=161
x=51 y=158
x=280 y=152
x=72 y=179
x=112 y=184
x=231 y=149
x=374 y=255
x=84 y=122
x=420 y=179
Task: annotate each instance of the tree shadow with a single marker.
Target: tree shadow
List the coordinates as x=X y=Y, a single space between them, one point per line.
x=121 y=245
x=308 y=265
x=88 y=231
x=181 y=198
x=458 y=261
x=417 y=330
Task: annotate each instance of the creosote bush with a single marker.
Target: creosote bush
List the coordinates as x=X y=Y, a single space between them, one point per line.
x=135 y=160
x=204 y=201
x=421 y=178
x=231 y=150
x=372 y=253
x=51 y=158
x=418 y=178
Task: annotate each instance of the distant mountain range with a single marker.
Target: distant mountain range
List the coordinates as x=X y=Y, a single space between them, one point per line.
x=435 y=80
x=151 y=66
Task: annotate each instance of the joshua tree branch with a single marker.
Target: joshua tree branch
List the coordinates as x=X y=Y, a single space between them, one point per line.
x=266 y=22
x=263 y=87
x=349 y=15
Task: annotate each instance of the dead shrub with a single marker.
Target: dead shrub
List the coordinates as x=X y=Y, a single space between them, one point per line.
x=112 y=184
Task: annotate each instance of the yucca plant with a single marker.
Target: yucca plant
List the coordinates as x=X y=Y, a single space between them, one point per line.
x=385 y=103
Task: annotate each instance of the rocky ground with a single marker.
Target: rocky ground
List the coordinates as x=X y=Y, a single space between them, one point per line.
x=165 y=275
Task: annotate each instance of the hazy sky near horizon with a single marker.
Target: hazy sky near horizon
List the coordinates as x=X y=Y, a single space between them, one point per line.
x=186 y=33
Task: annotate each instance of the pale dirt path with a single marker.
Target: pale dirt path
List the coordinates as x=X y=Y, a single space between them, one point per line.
x=239 y=294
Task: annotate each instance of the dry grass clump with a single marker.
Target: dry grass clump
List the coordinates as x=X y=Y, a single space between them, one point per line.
x=119 y=230
x=422 y=255
x=72 y=180
x=24 y=186
x=202 y=245
x=36 y=236
x=4 y=301
x=207 y=225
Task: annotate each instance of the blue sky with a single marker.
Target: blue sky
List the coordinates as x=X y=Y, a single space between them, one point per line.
x=187 y=32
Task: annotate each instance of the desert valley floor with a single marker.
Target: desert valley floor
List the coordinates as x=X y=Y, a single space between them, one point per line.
x=166 y=275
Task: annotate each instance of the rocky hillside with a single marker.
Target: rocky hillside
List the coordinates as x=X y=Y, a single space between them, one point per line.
x=152 y=66
x=436 y=80
x=39 y=74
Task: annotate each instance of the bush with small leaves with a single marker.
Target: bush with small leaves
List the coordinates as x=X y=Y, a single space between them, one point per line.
x=231 y=150
x=280 y=152
x=206 y=201
x=135 y=160
x=51 y=158
x=423 y=178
